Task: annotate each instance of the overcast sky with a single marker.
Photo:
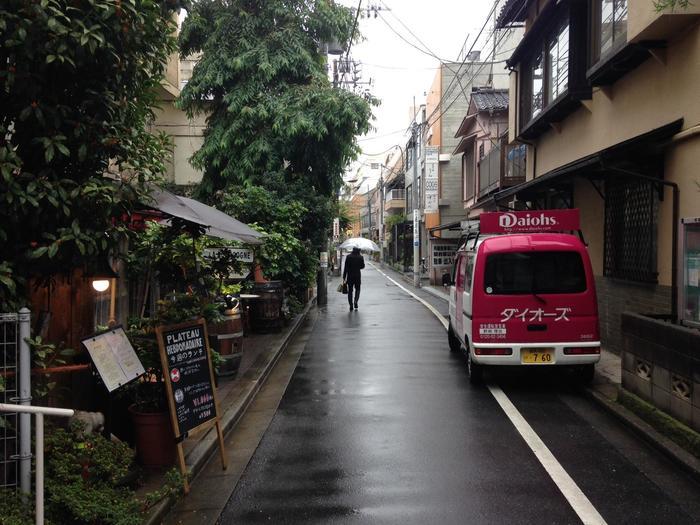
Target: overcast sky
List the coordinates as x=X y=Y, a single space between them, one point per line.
x=400 y=72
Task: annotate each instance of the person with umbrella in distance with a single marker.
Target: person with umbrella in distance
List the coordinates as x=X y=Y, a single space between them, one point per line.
x=351 y=275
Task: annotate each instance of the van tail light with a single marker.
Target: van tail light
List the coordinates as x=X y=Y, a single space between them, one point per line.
x=493 y=351
x=582 y=350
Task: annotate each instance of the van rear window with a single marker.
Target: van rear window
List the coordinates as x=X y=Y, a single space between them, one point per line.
x=534 y=272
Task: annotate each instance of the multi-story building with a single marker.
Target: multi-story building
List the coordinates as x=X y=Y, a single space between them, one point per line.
x=489 y=163
x=605 y=96
x=186 y=134
x=448 y=101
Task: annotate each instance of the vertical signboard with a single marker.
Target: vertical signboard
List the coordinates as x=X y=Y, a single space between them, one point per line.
x=432 y=157
x=189 y=382
x=416 y=227
x=336 y=229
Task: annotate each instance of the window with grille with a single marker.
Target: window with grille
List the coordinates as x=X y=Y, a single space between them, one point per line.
x=609 y=27
x=631 y=209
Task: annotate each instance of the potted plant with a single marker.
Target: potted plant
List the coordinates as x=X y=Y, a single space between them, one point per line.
x=153 y=433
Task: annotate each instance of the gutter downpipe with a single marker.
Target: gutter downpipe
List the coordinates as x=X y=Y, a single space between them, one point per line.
x=674 y=234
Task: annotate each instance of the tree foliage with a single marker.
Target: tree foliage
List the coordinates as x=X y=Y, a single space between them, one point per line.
x=286 y=254
x=264 y=86
x=78 y=79
x=276 y=125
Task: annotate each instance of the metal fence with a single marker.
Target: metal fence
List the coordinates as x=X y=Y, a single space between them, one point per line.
x=9 y=422
x=15 y=369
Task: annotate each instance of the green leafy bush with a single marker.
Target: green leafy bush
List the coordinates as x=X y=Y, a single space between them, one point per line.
x=85 y=480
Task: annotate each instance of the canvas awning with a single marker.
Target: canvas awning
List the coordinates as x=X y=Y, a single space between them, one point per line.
x=215 y=222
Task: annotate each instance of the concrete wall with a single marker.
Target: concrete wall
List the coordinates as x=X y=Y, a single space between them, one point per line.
x=187 y=139
x=660 y=364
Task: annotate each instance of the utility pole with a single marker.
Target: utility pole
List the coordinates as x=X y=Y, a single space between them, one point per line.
x=381 y=217
x=416 y=211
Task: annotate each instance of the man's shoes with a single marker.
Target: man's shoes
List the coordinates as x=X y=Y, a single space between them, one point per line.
x=351 y=308
x=355 y=306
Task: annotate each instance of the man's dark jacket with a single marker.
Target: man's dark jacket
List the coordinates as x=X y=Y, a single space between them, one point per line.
x=353 y=264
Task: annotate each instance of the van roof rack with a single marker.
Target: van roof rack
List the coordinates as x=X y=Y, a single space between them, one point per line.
x=529 y=221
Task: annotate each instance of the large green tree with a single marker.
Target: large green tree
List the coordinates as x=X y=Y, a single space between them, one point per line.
x=264 y=85
x=279 y=135
x=78 y=79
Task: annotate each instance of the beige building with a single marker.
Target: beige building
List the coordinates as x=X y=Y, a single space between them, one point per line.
x=186 y=134
x=606 y=96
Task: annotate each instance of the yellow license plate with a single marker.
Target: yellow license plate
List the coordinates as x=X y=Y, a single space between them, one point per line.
x=540 y=356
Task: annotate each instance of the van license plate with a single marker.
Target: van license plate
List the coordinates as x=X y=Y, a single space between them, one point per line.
x=540 y=356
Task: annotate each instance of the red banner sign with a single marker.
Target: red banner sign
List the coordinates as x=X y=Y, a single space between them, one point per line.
x=529 y=221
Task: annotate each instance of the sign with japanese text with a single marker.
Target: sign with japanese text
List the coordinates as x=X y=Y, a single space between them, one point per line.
x=114 y=358
x=432 y=157
x=416 y=227
x=535 y=221
x=336 y=229
x=188 y=375
x=189 y=383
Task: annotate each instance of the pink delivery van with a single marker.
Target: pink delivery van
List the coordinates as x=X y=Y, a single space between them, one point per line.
x=523 y=294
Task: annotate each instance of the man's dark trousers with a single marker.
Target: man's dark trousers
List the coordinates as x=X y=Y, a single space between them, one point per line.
x=356 y=287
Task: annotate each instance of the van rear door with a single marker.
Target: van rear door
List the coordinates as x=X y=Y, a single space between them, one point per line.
x=536 y=295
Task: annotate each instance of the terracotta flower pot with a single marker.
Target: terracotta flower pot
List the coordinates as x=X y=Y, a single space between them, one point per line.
x=155 y=441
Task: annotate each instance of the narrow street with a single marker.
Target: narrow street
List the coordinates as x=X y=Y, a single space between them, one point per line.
x=379 y=424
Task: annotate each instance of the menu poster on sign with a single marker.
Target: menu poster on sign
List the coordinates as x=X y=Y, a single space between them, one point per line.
x=114 y=358
x=189 y=380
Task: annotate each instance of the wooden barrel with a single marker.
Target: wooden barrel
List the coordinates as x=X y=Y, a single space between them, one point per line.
x=266 y=311
x=229 y=333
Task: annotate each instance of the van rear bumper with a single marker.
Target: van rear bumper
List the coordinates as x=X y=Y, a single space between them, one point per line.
x=516 y=357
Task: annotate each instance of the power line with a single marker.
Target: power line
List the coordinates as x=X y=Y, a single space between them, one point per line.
x=447 y=91
x=406 y=27
x=466 y=96
x=425 y=52
x=382 y=136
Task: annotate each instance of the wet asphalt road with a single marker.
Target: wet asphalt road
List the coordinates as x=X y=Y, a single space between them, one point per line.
x=379 y=424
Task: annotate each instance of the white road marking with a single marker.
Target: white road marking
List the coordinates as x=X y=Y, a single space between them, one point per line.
x=568 y=487
x=573 y=494
x=409 y=292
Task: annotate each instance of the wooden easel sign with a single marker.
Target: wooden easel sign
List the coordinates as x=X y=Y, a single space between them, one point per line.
x=189 y=383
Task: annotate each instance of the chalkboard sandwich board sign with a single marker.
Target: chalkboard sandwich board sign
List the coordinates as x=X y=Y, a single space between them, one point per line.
x=189 y=382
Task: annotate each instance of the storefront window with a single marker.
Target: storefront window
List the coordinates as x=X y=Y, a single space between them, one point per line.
x=690 y=310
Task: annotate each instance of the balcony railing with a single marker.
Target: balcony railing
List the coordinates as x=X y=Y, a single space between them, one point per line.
x=395 y=199
x=399 y=194
x=503 y=166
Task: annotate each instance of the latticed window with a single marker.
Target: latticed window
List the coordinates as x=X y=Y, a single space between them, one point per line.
x=631 y=209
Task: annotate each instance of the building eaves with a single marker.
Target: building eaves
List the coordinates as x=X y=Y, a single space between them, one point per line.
x=514 y=11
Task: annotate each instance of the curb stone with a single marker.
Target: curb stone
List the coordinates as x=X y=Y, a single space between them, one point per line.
x=207 y=445
x=650 y=435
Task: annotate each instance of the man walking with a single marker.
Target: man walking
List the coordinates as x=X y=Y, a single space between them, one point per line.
x=351 y=275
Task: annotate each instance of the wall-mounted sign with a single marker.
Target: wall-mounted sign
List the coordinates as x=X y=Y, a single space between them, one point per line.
x=416 y=227
x=443 y=254
x=336 y=229
x=114 y=358
x=432 y=158
x=240 y=254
